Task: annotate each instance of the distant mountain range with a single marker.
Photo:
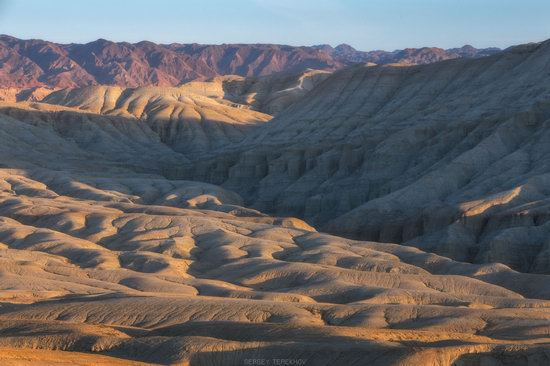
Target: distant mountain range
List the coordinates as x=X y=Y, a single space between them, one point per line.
x=36 y=63
x=409 y=56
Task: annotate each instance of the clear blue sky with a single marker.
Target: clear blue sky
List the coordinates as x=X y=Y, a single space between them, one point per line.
x=365 y=24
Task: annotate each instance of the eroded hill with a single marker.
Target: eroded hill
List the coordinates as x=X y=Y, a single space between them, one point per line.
x=449 y=157
x=104 y=264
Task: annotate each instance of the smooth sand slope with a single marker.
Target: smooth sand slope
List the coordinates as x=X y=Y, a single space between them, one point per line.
x=103 y=258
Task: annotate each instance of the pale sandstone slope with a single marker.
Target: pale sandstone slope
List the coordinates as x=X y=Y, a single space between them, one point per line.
x=267 y=94
x=192 y=119
x=12 y=95
x=187 y=122
x=65 y=138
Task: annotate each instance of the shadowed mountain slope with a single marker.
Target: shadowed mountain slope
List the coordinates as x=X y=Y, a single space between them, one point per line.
x=449 y=157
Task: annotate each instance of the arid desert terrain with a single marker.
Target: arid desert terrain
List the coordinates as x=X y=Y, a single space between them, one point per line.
x=310 y=206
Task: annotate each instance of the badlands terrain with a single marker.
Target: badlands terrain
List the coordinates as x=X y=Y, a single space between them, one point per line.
x=372 y=215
